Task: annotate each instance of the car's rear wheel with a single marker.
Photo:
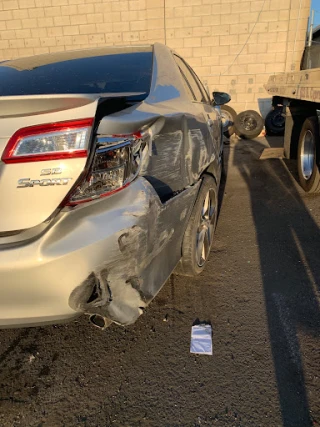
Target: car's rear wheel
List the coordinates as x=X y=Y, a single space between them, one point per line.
x=199 y=234
x=308 y=147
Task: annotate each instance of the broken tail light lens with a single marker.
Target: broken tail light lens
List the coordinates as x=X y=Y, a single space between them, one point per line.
x=53 y=141
x=116 y=163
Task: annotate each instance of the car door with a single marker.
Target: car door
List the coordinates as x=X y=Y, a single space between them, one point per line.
x=204 y=140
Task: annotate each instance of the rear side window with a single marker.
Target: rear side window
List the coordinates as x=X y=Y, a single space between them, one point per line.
x=205 y=95
x=192 y=83
x=120 y=72
x=186 y=84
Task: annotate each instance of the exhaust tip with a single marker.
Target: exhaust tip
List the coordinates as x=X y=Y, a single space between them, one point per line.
x=99 y=321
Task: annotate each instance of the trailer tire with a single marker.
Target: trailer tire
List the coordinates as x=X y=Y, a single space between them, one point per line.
x=275 y=122
x=248 y=124
x=308 y=156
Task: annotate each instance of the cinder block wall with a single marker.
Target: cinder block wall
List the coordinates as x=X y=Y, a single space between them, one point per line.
x=233 y=45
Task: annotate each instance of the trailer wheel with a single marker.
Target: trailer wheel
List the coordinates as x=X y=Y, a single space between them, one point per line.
x=308 y=153
x=275 y=122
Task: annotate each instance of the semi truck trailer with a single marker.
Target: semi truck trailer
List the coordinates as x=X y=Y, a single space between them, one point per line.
x=298 y=93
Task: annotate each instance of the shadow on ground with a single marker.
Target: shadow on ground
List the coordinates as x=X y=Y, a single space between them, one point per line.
x=289 y=248
x=258 y=292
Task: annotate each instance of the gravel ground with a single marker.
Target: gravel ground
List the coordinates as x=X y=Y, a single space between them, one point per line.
x=260 y=291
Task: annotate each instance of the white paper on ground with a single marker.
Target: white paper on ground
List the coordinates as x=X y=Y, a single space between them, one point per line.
x=201 y=339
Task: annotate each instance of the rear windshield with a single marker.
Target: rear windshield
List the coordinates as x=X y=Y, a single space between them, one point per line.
x=48 y=74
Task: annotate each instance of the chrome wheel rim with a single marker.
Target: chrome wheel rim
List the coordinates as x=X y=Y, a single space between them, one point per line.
x=307 y=155
x=206 y=227
x=249 y=123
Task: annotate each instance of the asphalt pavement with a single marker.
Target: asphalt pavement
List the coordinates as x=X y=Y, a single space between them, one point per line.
x=260 y=292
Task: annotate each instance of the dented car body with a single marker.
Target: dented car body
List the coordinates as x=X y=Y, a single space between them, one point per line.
x=103 y=157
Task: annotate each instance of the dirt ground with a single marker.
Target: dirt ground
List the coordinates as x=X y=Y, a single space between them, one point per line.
x=260 y=291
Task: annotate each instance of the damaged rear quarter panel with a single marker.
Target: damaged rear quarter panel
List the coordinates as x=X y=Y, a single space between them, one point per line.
x=145 y=251
x=183 y=148
x=139 y=258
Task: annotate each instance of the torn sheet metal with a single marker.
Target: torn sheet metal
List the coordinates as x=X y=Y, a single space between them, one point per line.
x=142 y=256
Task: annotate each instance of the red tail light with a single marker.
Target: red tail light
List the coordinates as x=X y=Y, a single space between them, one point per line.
x=53 y=141
x=116 y=163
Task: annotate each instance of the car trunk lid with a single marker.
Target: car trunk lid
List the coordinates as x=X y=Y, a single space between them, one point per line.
x=32 y=190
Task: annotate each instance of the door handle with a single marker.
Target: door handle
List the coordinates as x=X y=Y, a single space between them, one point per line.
x=210 y=122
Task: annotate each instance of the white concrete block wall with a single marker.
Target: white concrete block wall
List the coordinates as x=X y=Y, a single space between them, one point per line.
x=233 y=46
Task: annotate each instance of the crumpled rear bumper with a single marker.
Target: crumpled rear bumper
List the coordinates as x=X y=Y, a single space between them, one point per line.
x=108 y=257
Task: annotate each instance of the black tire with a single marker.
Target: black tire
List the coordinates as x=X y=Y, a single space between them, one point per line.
x=189 y=264
x=228 y=116
x=275 y=122
x=308 y=155
x=248 y=124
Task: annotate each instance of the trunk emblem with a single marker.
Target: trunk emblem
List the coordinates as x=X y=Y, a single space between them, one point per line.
x=53 y=171
x=27 y=182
